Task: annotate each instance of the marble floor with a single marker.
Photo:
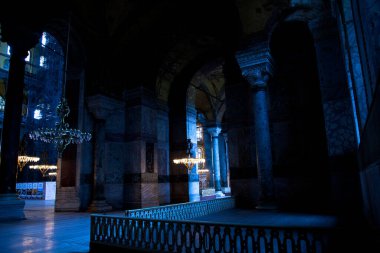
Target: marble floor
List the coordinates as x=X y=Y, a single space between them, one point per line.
x=44 y=230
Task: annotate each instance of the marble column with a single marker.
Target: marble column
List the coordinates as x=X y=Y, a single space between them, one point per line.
x=191 y=122
x=101 y=107
x=20 y=41
x=266 y=199
x=226 y=188
x=256 y=66
x=208 y=156
x=214 y=131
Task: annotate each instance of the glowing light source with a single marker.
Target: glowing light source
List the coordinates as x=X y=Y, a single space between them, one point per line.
x=44 y=168
x=37 y=114
x=189 y=161
x=22 y=160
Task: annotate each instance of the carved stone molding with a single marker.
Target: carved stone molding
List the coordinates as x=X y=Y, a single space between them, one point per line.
x=256 y=64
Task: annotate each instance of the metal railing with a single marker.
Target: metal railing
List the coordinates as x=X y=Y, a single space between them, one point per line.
x=183 y=211
x=118 y=232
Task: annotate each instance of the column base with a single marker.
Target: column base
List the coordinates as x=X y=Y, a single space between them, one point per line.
x=11 y=207
x=66 y=200
x=99 y=206
x=226 y=190
x=219 y=194
x=194 y=198
x=194 y=190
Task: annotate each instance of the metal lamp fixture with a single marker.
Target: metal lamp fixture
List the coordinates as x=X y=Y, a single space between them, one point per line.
x=44 y=168
x=22 y=160
x=189 y=161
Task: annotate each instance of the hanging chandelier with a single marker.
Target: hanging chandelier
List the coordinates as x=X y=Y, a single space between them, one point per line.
x=43 y=168
x=61 y=135
x=203 y=171
x=22 y=160
x=189 y=161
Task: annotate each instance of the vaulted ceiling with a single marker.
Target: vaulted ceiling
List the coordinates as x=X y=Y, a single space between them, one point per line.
x=127 y=43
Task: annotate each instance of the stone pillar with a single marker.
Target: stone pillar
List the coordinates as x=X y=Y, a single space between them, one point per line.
x=226 y=180
x=98 y=203
x=163 y=151
x=214 y=131
x=208 y=157
x=338 y=114
x=263 y=143
x=256 y=69
x=20 y=42
x=101 y=107
x=222 y=162
x=141 y=173
x=191 y=122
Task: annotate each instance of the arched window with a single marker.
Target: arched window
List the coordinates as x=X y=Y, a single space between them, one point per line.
x=199 y=133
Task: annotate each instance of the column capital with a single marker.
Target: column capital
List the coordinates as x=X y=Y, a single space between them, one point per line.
x=102 y=106
x=258 y=80
x=256 y=64
x=214 y=131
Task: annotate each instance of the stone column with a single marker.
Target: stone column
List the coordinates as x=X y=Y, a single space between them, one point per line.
x=99 y=203
x=256 y=68
x=214 y=131
x=191 y=122
x=101 y=107
x=263 y=142
x=222 y=162
x=20 y=42
x=226 y=188
x=208 y=156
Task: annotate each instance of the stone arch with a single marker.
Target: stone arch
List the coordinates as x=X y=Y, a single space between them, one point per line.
x=173 y=88
x=206 y=91
x=297 y=110
x=177 y=61
x=302 y=13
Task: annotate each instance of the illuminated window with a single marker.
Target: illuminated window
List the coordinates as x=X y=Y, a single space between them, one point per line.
x=8 y=50
x=200 y=152
x=199 y=134
x=43 y=39
x=42 y=61
x=37 y=114
x=28 y=57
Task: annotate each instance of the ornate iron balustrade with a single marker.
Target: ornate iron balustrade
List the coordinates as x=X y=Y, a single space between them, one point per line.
x=112 y=232
x=182 y=211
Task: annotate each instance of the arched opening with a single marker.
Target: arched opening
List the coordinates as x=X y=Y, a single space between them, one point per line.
x=42 y=92
x=299 y=138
